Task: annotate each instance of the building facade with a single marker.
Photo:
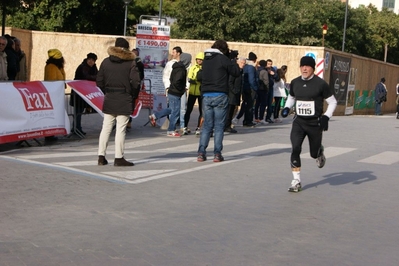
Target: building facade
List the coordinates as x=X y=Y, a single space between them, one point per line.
x=390 y=4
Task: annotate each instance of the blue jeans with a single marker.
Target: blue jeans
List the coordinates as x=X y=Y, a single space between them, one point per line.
x=174 y=105
x=214 y=110
x=377 y=108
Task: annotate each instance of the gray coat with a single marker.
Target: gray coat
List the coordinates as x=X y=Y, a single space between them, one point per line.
x=119 y=79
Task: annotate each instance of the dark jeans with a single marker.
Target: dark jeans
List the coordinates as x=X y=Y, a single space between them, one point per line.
x=249 y=97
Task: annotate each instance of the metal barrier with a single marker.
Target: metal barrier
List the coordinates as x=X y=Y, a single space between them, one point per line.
x=146 y=97
x=79 y=108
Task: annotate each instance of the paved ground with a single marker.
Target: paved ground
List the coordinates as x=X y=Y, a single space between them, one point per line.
x=57 y=207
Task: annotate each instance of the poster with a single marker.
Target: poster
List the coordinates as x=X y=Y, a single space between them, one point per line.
x=152 y=42
x=339 y=77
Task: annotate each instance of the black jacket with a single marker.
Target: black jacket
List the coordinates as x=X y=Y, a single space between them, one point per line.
x=216 y=70
x=119 y=79
x=83 y=72
x=178 y=79
x=235 y=84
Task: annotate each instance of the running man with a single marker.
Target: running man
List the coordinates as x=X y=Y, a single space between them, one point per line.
x=308 y=92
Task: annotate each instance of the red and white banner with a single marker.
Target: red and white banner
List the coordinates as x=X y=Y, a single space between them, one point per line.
x=31 y=110
x=92 y=95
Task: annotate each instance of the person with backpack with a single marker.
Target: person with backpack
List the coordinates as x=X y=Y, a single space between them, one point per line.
x=249 y=89
x=235 y=87
x=263 y=90
x=380 y=96
x=140 y=67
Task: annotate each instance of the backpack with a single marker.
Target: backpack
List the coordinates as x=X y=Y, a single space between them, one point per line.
x=140 y=67
x=261 y=85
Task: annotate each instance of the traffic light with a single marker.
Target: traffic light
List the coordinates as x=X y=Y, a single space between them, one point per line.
x=325 y=28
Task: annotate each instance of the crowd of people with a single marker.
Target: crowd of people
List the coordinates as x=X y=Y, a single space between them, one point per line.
x=226 y=88
x=12 y=59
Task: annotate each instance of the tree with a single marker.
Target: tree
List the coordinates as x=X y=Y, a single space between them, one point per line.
x=384 y=28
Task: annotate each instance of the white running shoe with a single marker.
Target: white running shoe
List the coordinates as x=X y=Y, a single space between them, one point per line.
x=198 y=131
x=295 y=186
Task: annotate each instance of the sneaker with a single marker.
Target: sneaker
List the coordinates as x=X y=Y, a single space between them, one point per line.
x=257 y=121
x=277 y=120
x=249 y=124
x=235 y=121
x=263 y=122
x=321 y=160
x=102 y=160
x=152 y=120
x=201 y=157
x=198 y=131
x=295 y=186
x=268 y=120
x=173 y=134
x=230 y=130
x=218 y=158
x=185 y=131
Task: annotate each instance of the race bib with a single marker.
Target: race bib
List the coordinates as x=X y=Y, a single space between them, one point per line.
x=305 y=108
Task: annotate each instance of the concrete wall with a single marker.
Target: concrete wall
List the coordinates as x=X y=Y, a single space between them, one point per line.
x=75 y=46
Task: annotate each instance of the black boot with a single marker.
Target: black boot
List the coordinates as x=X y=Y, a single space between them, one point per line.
x=122 y=162
x=102 y=160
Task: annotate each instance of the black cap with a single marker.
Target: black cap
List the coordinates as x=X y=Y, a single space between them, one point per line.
x=121 y=42
x=92 y=56
x=308 y=61
x=252 y=56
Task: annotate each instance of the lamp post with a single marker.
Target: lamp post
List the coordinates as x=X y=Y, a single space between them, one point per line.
x=346 y=16
x=127 y=2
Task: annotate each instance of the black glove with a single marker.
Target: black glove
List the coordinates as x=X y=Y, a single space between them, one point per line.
x=285 y=112
x=324 y=122
x=191 y=81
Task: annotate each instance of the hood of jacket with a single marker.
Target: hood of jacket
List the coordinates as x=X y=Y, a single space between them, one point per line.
x=185 y=58
x=212 y=52
x=119 y=54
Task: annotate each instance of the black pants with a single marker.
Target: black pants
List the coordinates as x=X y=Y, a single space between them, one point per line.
x=190 y=105
x=300 y=129
x=249 y=98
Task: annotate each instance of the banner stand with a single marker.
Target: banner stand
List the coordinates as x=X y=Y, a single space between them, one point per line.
x=27 y=143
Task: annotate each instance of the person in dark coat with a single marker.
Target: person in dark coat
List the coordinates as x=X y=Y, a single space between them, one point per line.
x=12 y=58
x=235 y=85
x=87 y=70
x=119 y=79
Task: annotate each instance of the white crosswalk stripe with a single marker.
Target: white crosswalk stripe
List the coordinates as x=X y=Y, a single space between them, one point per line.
x=178 y=158
x=385 y=158
x=330 y=152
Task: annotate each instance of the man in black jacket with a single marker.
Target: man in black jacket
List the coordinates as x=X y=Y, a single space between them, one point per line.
x=87 y=70
x=216 y=70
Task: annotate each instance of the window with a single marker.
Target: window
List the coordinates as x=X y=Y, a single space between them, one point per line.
x=390 y=4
